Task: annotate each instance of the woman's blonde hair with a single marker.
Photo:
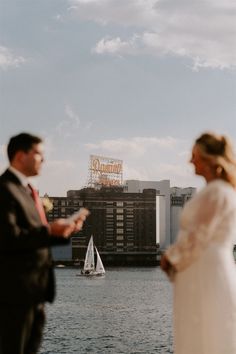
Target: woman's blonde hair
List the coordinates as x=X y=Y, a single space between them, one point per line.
x=218 y=151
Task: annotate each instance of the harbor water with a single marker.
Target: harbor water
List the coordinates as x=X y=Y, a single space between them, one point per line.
x=127 y=311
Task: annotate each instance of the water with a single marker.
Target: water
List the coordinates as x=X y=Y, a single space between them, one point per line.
x=127 y=311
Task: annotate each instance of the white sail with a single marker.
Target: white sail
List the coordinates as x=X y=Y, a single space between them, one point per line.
x=89 y=263
x=99 y=266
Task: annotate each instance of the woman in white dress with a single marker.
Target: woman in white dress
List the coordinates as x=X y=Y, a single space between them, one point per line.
x=201 y=263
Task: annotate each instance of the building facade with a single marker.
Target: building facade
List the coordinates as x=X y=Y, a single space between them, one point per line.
x=123 y=225
x=179 y=196
x=162 y=189
x=130 y=225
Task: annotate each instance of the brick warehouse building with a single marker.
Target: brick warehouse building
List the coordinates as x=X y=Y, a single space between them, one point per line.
x=123 y=224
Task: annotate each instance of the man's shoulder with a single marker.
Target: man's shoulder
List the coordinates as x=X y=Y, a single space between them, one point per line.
x=8 y=176
x=4 y=177
x=8 y=179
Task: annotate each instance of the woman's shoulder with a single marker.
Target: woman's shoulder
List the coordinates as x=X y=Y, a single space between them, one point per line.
x=219 y=185
x=219 y=190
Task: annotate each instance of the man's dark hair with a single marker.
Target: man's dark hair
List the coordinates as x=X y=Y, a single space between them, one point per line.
x=21 y=142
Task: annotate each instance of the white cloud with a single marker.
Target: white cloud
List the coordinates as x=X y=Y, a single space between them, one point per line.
x=62 y=171
x=72 y=115
x=88 y=126
x=112 y=46
x=179 y=173
x=144 y=158
x=58 y=18
x=8 y=59
x=54 y=165
x=135 y=145
x=151 y=158
x=68 y=126
x=123 y=12
x=203 y=31
x=130 y=172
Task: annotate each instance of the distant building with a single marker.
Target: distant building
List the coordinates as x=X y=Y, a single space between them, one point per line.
x=170 y=201
x=128 y=223
x=61 y=209
x=162 y=189
x=123 y=224
x=179 y=196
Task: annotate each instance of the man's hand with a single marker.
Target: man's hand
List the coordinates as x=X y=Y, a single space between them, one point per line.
x=165 y=263
x=168 y=267
x=63 y=228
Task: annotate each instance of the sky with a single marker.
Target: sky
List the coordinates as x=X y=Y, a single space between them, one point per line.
x=137 y=80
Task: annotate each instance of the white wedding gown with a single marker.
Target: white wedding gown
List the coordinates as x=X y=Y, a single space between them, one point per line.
x=205 y=283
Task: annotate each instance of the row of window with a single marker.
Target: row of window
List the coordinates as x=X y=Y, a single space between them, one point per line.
x=113 y=204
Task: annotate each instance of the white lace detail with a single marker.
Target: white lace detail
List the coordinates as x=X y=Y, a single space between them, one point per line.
x=208 y=216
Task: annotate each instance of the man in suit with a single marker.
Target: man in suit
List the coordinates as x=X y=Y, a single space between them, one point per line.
x=26 y=271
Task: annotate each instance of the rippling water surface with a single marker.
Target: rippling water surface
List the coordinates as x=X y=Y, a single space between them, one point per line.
x=127 y=311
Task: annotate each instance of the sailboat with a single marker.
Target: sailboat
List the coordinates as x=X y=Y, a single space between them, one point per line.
x=89 y=264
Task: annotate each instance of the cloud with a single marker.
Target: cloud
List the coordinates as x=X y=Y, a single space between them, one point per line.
x=58 y=18
x=130 y=172
x=113 y=46
x=54 y=165
x=62 y=171
x=144 y=158
x=68 y=126
x=8 y=59
x=203 y=31
x=72 y=115
x=135 y=145
x=179 y=173
x=88 y=126
x=151 y=158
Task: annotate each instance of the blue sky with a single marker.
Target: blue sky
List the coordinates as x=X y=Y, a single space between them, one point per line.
x=136 y=80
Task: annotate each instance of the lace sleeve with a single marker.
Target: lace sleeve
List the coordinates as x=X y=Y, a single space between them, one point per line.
x=188 y=247
x=200 y=221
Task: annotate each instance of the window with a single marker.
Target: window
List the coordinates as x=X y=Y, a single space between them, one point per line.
x=120 y=238
x=119 y=231
x=119 y=217
x=119 y=211
x=109 y=210
x=120 y=204
x=120 y=224
x=129 y=224
x=109 y=223
x=109 y=229
x=119 y=249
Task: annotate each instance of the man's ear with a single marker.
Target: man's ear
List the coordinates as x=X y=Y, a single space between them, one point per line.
x=19 y=157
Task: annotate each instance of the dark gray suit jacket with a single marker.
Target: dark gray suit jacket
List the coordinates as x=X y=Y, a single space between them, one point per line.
x=26 y=270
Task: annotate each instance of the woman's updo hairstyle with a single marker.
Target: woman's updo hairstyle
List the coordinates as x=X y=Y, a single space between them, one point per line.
x=218 y=151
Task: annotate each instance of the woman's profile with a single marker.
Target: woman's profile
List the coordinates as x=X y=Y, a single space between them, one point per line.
x=201 y=263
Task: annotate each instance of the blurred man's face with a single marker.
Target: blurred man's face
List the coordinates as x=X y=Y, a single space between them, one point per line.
x=32 y=160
